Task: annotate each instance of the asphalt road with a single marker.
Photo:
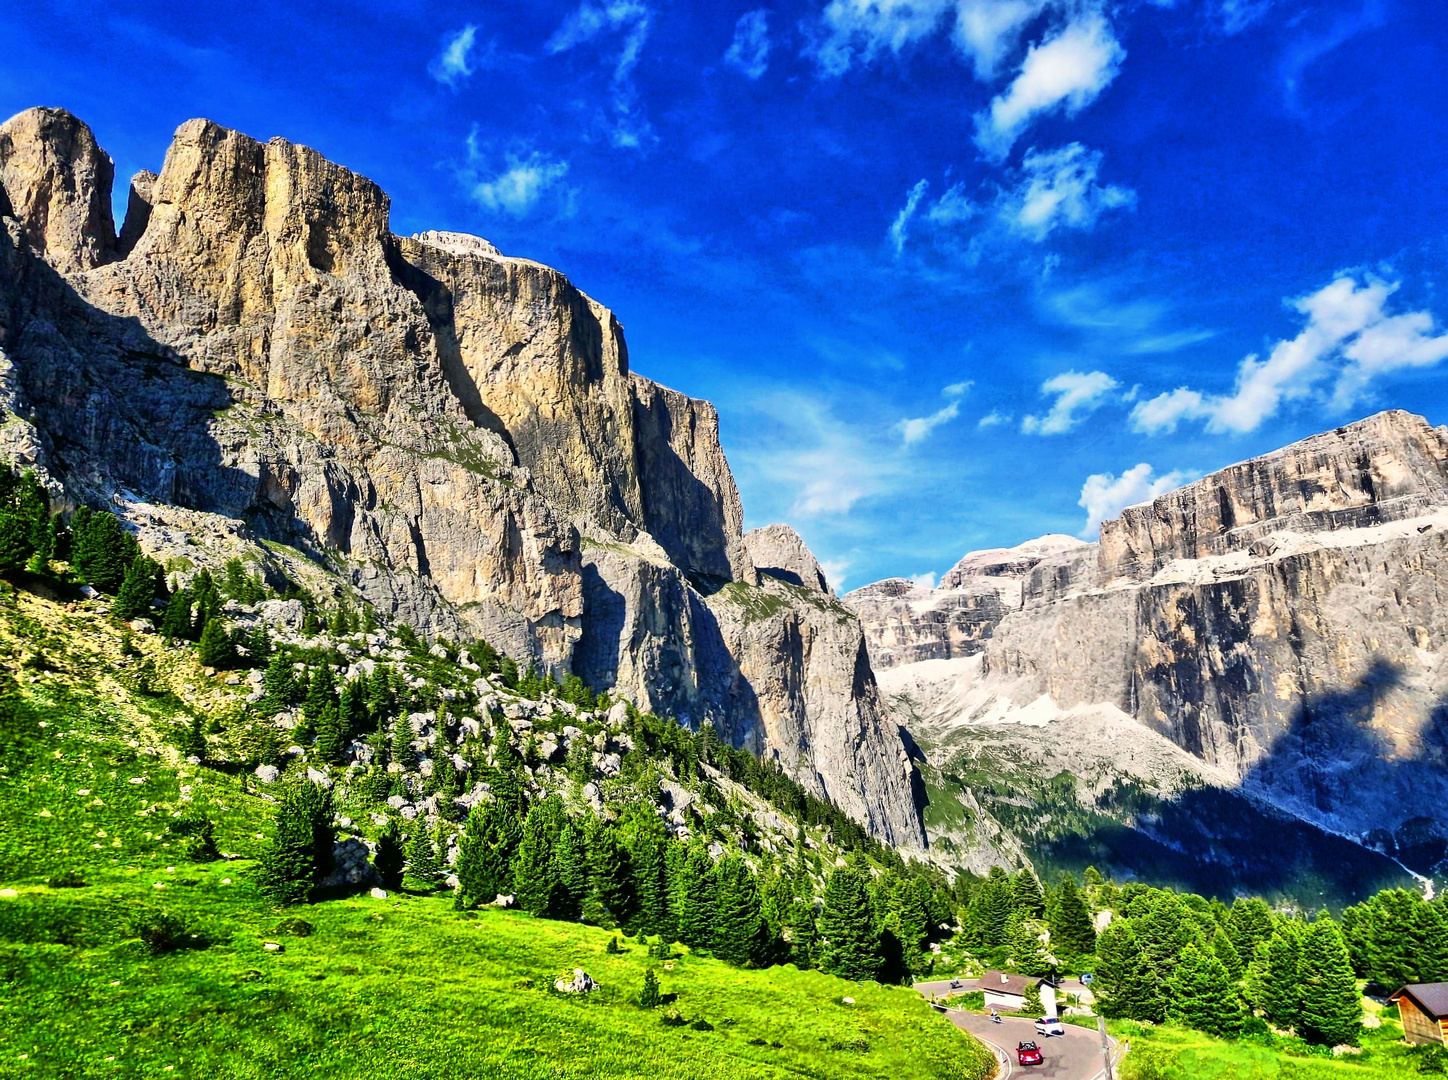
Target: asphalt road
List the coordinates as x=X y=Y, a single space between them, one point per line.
x=1075 y=1055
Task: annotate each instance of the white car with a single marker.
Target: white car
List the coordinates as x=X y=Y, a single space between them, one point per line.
x=1050 y=1025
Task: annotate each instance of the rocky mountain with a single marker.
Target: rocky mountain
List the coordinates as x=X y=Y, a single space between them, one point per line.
x=1272 y=632
x=256 y=364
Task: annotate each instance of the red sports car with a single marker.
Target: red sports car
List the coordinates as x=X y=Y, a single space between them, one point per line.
x=1028 y=1053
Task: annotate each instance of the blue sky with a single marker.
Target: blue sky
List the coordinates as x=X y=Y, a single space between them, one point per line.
x=956 y=272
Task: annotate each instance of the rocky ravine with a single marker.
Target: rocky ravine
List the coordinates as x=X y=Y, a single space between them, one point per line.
x=455 y=434
x=1282 y=622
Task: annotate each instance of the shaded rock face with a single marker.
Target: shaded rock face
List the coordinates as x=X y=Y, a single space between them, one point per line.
x=777 y=551
x=454 y=432
x=1282 y=620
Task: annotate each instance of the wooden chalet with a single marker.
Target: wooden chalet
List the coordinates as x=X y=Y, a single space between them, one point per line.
x=1424 y=1010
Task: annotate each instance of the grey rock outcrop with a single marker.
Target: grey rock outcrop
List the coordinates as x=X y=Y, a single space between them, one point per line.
x=456 y=435
x=779 y=552
x=1281 y=620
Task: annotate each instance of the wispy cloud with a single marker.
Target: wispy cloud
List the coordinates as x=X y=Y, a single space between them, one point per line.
x=994 y=418
x=1052 y=190
x=1078 y=394
x=1303 y=53
x=915 y=430
x=749 y=51
x=1234 y=16
x=988 y=30
x=451 y=66
x=1064 y=71
x=1136 y=325
x=1105 y=495
x=1059 y=189
x=633 y=20
x=1349 y=340
x=517 y=188
x=900 y=226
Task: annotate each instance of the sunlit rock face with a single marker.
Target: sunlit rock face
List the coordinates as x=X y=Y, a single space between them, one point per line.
x=455 y=432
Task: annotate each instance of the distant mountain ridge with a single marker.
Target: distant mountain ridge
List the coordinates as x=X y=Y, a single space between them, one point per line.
x=1281 y=621
x=454 y=434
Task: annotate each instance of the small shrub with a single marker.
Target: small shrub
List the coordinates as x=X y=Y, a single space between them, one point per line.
x=857 y=1045
x=66 y=879
x=701 y=1025
x=295 y=927
x=160 y=931
x=612 y=947
x=673 y=1018
x=649 y=996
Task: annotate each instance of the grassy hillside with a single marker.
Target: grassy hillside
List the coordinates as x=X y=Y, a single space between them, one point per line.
x=1176 y=1053
x=96 y=798
x=406 y=987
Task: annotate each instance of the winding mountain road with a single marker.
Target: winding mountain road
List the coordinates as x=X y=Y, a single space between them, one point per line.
x=1076 y=1055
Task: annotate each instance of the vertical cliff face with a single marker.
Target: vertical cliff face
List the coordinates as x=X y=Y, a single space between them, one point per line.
x=1281 y=620
x=455 y=433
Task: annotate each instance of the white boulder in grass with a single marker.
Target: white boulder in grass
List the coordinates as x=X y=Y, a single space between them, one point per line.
x=378 y=894
x=581 y=983
x=267 y=774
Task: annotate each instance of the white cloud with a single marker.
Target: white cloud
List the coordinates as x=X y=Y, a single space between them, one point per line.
x=834 y=570
x=1236 y=15
x=1105 y=495
x=915 y=430
x=952 y=208
x=633 y=20
x=898 y=228
x=1068 y=69
x=1078 y=394
x=451 y=65
x=988 y=30
x=994 y=418
x=517 y=189
x=1059 y=189
x=860 y=30
x=749 y=52
x=924 y=581
x=1349 y=340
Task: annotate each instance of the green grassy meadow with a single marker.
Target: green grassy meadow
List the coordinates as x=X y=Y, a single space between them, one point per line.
x=90 y=785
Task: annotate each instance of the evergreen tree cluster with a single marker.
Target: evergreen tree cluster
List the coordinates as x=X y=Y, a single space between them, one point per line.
x=1398 y=937
x=28 y=533
x=1180 y=957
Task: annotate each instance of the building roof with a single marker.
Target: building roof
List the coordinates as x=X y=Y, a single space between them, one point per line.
x=1432 y=998
x=999 y=982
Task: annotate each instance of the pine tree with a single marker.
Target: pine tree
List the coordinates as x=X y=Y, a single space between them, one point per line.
x=352 y=708
x=141 y=584
x=403 y=753
x=572 y=861
x=216 y=648
x=1125 y=988
x=278 y=684
x=1272 y=975
x=423 y=861
x=321 y=693
x=1026 y=896
x=648 y=841
x=649 y=996
x=1165 y=929
x=990 y=911
x=849 y=938
x=381 y=698
x=485 y=852
x=737 y=923
x=24 y=520
x=692 y=892
x=1202 y=995
x=299 y=854
x=331 y=736
x=536 y=883
x=610 y=900
x=1073 y=933
x=1226 y=952
x=1249 y=923
x=1330 y=1009
x=1026 y=952
x=176 y=621
x=910 y=917
x=388 y=858
x=1032 y=1005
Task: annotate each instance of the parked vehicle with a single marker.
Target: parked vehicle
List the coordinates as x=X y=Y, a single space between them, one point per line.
x=1050 y=1025
x=1028 y=1053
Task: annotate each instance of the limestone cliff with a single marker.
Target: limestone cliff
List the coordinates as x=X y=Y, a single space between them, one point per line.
x=455 y=434
x=1281 y=620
